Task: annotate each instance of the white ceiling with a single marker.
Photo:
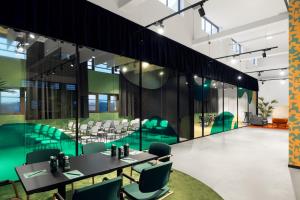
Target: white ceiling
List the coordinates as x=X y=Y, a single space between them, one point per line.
x=228 y=14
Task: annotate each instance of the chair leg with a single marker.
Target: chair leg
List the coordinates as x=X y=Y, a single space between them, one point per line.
x=93 y=180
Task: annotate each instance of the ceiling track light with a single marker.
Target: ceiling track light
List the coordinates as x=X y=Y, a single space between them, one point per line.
x=201 y=10
x=259 y=74
x=160 y=28
x=264 y=54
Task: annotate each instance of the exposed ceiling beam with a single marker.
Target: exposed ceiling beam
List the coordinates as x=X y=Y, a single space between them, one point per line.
x=243 y=28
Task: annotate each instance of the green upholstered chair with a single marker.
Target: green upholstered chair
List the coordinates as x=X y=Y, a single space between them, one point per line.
x=106 y=190
x=54 y=140
x=94 y=147
x=162 y=150
x=152 y=183
x=48 y=135
x=41 y=155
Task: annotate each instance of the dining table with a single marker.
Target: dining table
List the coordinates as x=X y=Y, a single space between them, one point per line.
x=37 y=177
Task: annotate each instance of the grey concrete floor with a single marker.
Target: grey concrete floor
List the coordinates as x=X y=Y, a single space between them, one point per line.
x=243 y=164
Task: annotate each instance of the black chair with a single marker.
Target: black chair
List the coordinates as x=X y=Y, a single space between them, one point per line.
x=95 y=147
x=41 y=155
x=152 y=183
x=6 y=182
x=162 y=150
x=91 y=148
x=106 y=190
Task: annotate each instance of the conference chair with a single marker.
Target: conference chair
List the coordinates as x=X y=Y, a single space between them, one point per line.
x=109 y=189
x=91 y=148
x=152 y=183
x=7 y=182
x=162 y=150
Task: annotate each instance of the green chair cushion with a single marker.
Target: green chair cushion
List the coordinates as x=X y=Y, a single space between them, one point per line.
x=139 y=168
x=133 y=192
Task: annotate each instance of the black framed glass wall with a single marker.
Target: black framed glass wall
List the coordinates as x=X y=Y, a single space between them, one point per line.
x=230 y=107
x=244 y=98
x=198 y=91
x=38 y=96
x=159 y=105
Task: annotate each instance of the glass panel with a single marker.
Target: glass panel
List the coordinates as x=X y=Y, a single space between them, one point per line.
x=230 y=107
x=115 y=118
x=173 y=4
x=252 y=98
x=159 y=113
x=244 y=96
x=185 y=126
x=92 y=102
x=213 y=107
x=198 y=100
x=37 y=97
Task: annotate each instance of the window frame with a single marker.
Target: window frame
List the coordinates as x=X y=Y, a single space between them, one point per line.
x=107 y=102
x=21 y=102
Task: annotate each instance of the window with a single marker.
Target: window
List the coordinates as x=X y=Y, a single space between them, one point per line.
x=9 y=49
x=10 y=101
x=175 y=5
x=103 y=67
x=92 y=102
x=90 y=64
x=209 y=27
x=113 y=104
x=235 y=46
x=254 y=61
x=103 y=103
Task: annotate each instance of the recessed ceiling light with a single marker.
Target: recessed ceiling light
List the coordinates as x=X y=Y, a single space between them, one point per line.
x=233 y=61
x=270 y=37
x=31 y=35
x=145 y=65
x=124 y=69
x=93 y=57
x=239 y=77
x=282 y=82
x=161 y=73
x=160 y=28
x=195 y=76
x=281 y=73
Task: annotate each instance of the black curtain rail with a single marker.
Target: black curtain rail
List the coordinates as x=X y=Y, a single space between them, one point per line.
x=267 y=70
x=248 y=52
x=200 y=3
x=86 y=24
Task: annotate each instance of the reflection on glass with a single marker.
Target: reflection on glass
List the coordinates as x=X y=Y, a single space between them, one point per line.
x=244 y=99
x=230 y=107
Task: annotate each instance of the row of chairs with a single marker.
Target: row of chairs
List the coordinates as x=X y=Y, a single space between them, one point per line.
x=44 y=136
x=103 y=130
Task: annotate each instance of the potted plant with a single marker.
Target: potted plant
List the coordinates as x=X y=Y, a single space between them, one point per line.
x=265 y=108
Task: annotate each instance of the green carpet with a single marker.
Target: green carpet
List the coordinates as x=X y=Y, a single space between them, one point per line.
x=184 y=187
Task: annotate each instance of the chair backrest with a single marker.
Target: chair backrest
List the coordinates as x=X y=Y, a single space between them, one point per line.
x=160 y=149
x=51 y=131
x=57 y=134
x=70 y=124
x=45 y=129
x=164 y=123
x=155 y=177
x=107 y=124
x=94 y=130
x=116 y=123
x=124 y=121
x=94 y=147
x=106 y=190
x=99 y=124
x=41 y=155
x=144 y=121
x=83 y=127
x=90 y=123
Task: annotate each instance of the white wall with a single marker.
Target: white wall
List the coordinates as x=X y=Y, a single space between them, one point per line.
x=276 y=90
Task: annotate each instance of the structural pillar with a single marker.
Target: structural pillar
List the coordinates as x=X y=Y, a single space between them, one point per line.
x=294 y=83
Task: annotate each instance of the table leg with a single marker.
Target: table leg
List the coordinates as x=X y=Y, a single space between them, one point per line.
x=62 y=191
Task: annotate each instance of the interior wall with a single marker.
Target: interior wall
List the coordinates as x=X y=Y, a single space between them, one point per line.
x=279 y=91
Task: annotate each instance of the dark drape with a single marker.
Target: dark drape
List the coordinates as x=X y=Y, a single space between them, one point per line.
x=86 y=24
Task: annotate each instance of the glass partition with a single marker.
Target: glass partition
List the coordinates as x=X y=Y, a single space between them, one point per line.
x=212 y=107
x=244 y=97
x=252 y=101
x=198 y=105
x=230 y=107
x=159 y=105
x=185 y=129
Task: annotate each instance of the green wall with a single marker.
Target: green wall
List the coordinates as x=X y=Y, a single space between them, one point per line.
x=103 y=83
x=12 y=71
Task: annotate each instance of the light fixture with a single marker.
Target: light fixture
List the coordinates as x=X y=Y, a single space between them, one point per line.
x=161 y=73
x=186 y=83
x=281 y=73
x=270 y=37
x=233 y=61
x=71 y=65
x=145 y=65
x=160 y=28
x=26 y=44
x=239 y=77
x=201 y=11
x=262 y=82
x=124 y=69
x=282 y=82
x=20 y=48
x=264 y=54
x=259 y=74
x=31 y=35
x=195 y=76
x=53 y=72
x=93 y=57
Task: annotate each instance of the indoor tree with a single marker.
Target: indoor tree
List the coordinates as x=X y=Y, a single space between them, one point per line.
x=265 y=108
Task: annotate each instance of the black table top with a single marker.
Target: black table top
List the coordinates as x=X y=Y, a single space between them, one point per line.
x=90 y=165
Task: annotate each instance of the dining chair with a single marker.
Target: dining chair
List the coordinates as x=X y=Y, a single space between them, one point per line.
x=41 y=155
x=152 y=183
x=162 y=150
x=109 y=189
x=7 y=182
